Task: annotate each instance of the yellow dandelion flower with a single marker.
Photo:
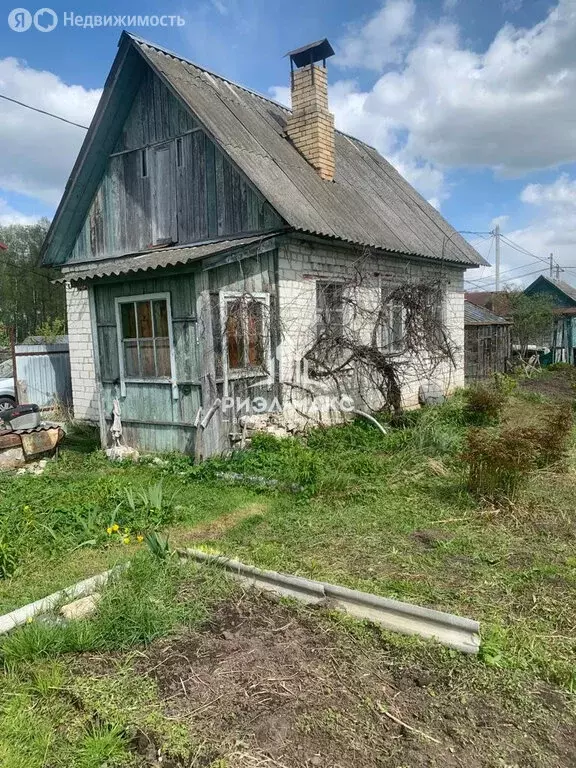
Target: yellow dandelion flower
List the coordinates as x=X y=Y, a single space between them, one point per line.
x=139 y=539
x=29 y=620
x=115 y=528
x=126 y=540
x=109 y=531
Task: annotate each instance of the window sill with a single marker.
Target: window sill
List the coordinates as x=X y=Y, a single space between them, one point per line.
x=246 y=373
x=148 y=381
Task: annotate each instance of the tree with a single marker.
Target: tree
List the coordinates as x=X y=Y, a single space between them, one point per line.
x=28 y=297
x=532 y=318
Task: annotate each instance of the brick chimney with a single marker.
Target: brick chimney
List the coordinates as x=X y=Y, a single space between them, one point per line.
x=311 y=125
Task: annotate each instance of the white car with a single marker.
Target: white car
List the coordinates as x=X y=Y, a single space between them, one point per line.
x=7 y=391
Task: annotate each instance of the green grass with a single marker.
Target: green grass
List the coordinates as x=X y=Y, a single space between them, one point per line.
x=51 y=714
x=53 y=528
x=386 y=514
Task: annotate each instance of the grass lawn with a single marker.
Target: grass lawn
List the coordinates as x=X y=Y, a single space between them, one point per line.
x=389 y=515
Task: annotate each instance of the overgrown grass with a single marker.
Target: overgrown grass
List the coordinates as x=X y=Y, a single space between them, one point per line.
x=49 y=716
x=387 y=514
x=54 y=527
x=144 y=601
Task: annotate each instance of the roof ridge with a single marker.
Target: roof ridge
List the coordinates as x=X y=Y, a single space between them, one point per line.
x=251 y=91
x=175 y=55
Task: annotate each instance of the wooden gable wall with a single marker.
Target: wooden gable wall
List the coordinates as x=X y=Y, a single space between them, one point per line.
x=209 y=197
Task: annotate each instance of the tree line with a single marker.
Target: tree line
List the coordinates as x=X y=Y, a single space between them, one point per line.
x=29 y=300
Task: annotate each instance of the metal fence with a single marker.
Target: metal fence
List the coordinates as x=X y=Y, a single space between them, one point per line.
x=43 y=374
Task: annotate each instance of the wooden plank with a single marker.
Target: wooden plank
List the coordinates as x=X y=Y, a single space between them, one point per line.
x=211 y=189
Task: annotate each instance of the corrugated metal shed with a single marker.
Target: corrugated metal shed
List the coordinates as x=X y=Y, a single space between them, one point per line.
x=474 y=315
x=167 y=257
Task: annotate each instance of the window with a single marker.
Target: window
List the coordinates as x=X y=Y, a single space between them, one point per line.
x=144 y=333
x=245 y=332
x=393 y=327
x=144 y=163
x=329 y=309
x=179 y=156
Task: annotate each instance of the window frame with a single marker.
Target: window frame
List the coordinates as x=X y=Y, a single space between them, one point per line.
x=388 y=344
x=245 y=372
x=171 y=379
x=320 y=286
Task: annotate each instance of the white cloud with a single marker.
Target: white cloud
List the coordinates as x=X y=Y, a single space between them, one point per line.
x=381 y=39
x=37 y=151
x=9 y=215
x=553 y=228
x=442 y=105
x=512 y=108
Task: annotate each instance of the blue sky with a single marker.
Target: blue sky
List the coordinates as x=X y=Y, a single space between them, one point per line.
x=473 y=100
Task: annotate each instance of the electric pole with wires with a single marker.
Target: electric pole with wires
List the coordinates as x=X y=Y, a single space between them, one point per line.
x=497 y=250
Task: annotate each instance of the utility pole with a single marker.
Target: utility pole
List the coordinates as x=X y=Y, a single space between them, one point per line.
x=557 y=271
x=497 y=238
x=551 y=265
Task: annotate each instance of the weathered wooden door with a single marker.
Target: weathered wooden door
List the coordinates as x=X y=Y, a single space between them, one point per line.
x=163 y=178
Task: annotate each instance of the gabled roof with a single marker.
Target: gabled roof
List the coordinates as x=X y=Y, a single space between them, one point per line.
x=475 y=315
x=369 y=203
x=559 y=285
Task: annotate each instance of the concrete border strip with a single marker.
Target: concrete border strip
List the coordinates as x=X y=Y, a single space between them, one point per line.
x=456 y=632
x=81 y=589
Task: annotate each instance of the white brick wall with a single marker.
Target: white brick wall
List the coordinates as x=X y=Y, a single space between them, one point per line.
x=301 y=264
x=84 y=395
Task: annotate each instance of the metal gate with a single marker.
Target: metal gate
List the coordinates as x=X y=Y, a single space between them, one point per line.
x=42 y=374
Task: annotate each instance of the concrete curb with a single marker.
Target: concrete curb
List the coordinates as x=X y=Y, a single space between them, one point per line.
x=456 y=632
x=83 y=588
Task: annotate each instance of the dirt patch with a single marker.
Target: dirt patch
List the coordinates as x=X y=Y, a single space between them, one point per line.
x=555 y=385
x=215 y=529
x=429 y=537
x=267 y=684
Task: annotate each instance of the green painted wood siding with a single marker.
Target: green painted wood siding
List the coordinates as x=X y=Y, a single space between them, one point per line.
x=152 y=418
x=210 y=197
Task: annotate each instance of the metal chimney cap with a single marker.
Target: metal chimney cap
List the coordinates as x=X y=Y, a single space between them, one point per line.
x=308 y=54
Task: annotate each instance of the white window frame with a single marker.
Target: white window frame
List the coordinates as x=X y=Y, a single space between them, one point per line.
x=242 y=373
x=152 y=380
x=388 y=344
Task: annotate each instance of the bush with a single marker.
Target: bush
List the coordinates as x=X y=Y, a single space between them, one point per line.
x=553 y=437
x=567 y=367
x=499 y=462
x=484 y=403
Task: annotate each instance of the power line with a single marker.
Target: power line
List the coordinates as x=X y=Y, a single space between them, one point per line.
x=507 y=271
x=43 y=112
x=523 y=250
x=516 y=277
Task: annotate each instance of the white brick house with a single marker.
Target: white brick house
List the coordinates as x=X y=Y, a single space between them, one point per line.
x=196 y=210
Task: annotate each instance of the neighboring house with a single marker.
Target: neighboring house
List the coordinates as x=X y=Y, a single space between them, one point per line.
x=486 y=342
x=495 y=301
x=562 y=338
x=206 y=229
